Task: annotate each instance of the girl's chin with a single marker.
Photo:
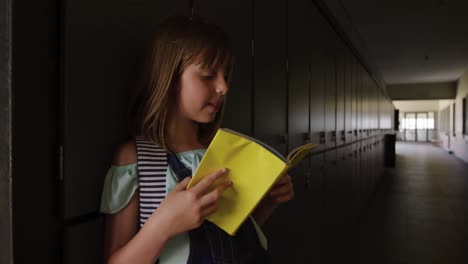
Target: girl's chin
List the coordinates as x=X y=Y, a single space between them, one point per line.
x=206 y=119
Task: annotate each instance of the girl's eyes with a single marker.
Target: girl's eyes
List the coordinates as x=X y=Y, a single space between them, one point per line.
x=208 y=76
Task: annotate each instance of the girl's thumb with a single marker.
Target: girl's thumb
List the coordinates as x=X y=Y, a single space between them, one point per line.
x=183 y=184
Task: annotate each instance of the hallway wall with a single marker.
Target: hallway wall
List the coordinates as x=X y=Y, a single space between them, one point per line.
x=459 y=142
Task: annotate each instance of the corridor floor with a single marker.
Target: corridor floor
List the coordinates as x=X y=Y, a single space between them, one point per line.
x=419 y=213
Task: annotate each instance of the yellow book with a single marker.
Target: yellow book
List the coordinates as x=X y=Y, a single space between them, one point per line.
x=253 y=167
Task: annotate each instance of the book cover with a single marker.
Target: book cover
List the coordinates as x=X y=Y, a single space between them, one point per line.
x=253 y=167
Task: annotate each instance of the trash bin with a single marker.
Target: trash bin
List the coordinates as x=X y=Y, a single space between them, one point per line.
x=389 y=153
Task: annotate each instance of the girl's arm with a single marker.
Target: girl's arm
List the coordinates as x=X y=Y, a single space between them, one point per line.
x=122 y=242
x=180 y=211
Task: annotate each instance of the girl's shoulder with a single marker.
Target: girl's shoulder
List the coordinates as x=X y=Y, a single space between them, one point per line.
x=125 y=154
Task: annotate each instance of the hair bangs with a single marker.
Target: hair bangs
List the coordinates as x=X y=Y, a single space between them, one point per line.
x=208 y=47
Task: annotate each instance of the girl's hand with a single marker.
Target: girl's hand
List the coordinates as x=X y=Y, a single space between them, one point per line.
x=281 y=192
x=183 y=209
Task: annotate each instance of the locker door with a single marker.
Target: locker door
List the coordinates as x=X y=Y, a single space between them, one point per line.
x=375 y=110
x=343 y=195
x=270 y=102
x=351 y=73
x=270 y=73
x=299 y=50
x=330 y=233
x=359 y=92
x=340 y=60
x=380 y=107
x=330 y=90
x=293 y=213
x=314 y=234
x=365 y=100
x=349 y=96
x=84 y=237
x=319 y=58
x=104 y=42
x=238 y=111
x=349 y=196
x=356 y=182
x=361 y=176
x=374 y=107
x=367 y=169
x=372 y=164
x=99 y=55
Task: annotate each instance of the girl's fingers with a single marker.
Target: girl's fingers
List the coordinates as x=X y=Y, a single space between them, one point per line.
x=182 y=185
x=207 y=210
x=284 y=179
x=201 y=187
x=213 y=196
x=285 y=198
x=282 y=189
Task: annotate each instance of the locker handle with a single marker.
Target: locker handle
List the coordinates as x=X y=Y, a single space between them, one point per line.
x=306 y=137
x=333 y=136
x=350 y=132
x=322 y=137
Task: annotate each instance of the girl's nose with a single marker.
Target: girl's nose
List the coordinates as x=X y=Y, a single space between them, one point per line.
x=221 y=86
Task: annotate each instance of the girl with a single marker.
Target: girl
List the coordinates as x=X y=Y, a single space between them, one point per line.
x=178 y=109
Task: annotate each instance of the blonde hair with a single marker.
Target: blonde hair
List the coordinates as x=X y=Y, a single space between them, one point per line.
x=178 y=42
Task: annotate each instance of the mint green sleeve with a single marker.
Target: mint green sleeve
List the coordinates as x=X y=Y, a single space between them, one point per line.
x=119 y=186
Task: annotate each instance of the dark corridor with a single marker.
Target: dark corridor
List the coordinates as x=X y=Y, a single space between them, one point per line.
x=420 y=211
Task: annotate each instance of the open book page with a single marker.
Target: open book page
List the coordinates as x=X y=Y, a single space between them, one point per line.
x=296 y=155
x=272 y=150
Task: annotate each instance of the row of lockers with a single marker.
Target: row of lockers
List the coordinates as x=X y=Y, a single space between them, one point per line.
x=295 y=80
x=331 y=191
x=303 y=82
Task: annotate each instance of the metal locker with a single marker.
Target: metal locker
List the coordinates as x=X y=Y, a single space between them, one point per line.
x=331 y=198
x=97 y=52
x=270 y=102
x=343 y=194
x=330 y=90
x=364 y=170
x=356 y=182
x=354 y=96
x=238 y=111
x=103 y=42
x=359 y=104
x=349 y=97
x=340 y=68
x=299 y=50
x=84 y=242
x=298 y=70
x=269 y=49
x=314 y=213
x=318 y=58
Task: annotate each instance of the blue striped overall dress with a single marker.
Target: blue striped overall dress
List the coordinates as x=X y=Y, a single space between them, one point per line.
x=208 y=243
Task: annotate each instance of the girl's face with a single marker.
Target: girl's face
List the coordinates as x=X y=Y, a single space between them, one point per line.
x=201 y=93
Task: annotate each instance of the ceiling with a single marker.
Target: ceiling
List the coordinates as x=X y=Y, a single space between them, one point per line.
x=413 y=41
